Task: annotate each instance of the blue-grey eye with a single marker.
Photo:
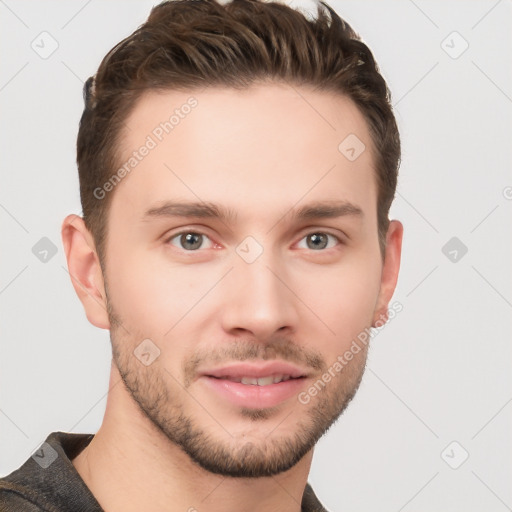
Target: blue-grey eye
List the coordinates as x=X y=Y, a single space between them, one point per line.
x=318 y=241
x=189 y=241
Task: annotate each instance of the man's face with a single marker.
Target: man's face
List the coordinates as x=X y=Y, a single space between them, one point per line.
x=265 y=293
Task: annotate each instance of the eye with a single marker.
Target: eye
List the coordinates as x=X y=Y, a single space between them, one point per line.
x=188 y=240
x=320 y=240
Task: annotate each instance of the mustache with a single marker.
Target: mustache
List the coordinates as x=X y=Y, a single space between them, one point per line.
x=251 y=350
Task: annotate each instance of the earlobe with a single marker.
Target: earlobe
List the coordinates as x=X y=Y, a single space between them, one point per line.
x=390 y=270
x=85 y=270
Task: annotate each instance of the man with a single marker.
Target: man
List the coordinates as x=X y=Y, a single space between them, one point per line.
x=237 y=163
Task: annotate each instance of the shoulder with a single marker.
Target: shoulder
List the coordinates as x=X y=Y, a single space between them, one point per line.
x=18 y=498
x=310 y=503
x=46 y=481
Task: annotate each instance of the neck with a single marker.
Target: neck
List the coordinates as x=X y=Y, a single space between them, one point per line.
x=130 y=465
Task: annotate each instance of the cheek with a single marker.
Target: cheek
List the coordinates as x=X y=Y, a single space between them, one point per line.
x=151 y=296
x=140 y=295
x=342 y=299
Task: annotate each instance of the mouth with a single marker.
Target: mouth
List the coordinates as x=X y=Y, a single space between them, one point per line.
x=258 y=381
x=255 y=386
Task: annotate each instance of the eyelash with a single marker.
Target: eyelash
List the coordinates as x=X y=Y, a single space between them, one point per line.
x=187 y=232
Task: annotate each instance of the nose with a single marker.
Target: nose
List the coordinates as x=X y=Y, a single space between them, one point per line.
x=258 y=300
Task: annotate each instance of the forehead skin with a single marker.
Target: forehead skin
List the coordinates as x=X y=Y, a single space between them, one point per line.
x=260 y=151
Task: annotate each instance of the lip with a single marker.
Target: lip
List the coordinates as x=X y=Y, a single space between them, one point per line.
x=239 y=370
x=253 y=396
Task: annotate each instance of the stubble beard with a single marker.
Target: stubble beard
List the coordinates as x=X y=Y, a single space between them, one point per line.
x=225 y=454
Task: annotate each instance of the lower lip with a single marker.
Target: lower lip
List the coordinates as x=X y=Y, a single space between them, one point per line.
x=253 y=396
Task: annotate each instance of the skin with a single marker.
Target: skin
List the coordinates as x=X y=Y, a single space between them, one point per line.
x=263 y=152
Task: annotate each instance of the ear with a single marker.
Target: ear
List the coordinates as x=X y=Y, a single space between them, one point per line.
x=390 y=270
x=85 y=270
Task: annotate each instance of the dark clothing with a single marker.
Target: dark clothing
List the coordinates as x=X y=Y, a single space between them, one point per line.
x=49 y=482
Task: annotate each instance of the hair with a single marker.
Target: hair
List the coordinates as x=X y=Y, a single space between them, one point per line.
x=187 y=44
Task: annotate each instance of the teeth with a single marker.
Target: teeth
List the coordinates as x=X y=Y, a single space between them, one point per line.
x=263 y=381
x=249 y=380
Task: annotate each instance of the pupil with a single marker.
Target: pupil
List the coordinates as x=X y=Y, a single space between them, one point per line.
x=319 y=241
x=192 y=239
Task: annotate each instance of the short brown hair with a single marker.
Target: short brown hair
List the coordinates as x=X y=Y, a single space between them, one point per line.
x=187 y=44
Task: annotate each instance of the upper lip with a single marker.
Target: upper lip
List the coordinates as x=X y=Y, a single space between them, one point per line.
x=239 y=370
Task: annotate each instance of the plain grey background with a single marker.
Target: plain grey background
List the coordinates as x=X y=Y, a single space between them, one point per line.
x=428 y=427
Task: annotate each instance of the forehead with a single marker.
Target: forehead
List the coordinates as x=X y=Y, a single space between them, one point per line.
x=264 y=145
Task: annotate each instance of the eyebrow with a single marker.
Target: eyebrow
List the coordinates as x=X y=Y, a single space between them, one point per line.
x=315 y=210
